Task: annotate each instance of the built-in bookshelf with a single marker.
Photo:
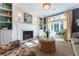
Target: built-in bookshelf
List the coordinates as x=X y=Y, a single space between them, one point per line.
x=5 y=15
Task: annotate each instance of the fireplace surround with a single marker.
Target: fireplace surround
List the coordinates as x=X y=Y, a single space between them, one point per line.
x=27 y=35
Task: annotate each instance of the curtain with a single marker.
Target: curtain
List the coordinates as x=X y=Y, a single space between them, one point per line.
x=68 y=32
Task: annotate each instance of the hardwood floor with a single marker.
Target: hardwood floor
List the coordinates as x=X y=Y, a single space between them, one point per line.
x=62 y=49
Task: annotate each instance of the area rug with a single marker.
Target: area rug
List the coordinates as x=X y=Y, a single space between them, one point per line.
x=62 y=49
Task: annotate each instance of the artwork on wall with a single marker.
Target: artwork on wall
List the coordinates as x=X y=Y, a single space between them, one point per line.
x=27 y=18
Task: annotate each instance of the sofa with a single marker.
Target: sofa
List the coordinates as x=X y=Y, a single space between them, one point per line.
x=75 y=43
x=15 y=49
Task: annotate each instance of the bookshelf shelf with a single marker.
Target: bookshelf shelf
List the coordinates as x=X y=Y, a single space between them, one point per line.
x=4 y=22
x=5 y=9
x=5 y=15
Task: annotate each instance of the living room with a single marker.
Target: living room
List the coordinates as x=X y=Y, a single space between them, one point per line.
x=39 y=28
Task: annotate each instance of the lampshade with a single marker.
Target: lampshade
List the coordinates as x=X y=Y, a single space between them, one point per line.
x=46 y=6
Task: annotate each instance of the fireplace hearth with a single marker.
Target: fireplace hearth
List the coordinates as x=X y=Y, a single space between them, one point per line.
x=27 y=35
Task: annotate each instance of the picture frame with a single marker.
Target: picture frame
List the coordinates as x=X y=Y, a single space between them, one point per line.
x=27 y=18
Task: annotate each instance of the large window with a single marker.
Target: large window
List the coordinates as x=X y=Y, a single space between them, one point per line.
x=56 y=27
x=57 y=23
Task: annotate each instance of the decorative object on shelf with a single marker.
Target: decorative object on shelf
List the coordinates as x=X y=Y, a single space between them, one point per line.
x=5 y=28
x=8 y=20
x=27 y=18
x=8 y=13
x=46 y=6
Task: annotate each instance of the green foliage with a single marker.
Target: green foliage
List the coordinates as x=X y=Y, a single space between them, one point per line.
x=61 y=32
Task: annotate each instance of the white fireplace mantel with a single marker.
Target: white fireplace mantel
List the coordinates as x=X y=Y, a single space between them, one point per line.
x=20 y=27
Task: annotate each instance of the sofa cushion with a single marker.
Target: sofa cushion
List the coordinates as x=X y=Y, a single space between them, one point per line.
x=75 y=35
x=7 y=47
x=32 y=53
x=76 y=41
x=3 y=49
x=14 y=44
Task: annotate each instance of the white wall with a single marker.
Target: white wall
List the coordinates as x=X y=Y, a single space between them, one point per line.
x=19 y=25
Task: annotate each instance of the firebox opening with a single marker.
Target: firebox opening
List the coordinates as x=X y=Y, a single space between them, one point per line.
x=27 y=35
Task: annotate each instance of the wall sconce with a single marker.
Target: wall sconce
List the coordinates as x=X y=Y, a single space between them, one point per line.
x=19 y=16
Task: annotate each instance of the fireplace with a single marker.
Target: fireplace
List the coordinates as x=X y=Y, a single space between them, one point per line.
x=27 y=35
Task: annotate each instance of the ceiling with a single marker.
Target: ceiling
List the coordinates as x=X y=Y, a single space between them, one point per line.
x=36 y=8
